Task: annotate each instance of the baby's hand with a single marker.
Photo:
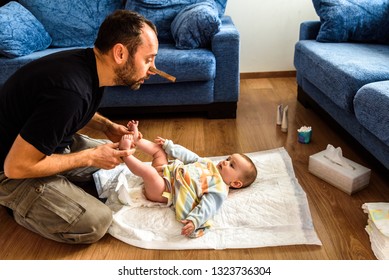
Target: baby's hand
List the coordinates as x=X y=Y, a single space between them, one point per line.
x=188 y=227
x=160 y=141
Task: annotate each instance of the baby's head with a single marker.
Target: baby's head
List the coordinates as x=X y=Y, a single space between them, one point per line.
x=237 y=171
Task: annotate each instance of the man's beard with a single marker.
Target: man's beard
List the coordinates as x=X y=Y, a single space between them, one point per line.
x=125 y=74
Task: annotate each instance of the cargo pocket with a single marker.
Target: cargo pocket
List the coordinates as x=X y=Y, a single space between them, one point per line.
x=46 y=207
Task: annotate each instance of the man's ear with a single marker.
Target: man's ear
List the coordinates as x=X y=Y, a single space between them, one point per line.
x=236 y=184
x=119 y=52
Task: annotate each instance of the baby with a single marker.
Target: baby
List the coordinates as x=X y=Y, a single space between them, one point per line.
x=195 y=186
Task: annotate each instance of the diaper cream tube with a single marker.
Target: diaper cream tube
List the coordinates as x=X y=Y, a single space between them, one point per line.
x=284 y=124
x=279 y=114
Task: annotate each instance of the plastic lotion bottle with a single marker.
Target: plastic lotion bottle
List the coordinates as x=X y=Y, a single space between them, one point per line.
x=284 y=124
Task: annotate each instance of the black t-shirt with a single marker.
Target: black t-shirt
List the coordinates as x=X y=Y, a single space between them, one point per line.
x=48 y=100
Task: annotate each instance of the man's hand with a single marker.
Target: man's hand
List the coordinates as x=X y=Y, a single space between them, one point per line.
x=108 y=156
x=115 y=132
x=35 y=164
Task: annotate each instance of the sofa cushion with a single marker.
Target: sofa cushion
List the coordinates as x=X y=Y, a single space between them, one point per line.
x=20 y=32
x=163 y=12
x=72 y=22
x=341 y=69
x=353 y=20
x=371 y=105
x=160 y=95
x=195 y=25
x=186 y=65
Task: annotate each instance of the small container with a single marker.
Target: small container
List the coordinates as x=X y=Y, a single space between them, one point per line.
x=304 y=134
x=284 y=124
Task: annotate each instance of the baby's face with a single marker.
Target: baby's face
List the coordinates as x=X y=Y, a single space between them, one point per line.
x=231 y=169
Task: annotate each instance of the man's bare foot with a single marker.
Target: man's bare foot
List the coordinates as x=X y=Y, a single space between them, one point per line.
x=127 y=142
x=133 y=127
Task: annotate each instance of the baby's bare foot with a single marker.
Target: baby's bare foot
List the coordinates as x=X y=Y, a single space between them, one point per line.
x=127 y=142
x=133 y=127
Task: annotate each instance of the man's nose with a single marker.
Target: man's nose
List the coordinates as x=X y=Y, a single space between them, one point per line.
x=149 y=72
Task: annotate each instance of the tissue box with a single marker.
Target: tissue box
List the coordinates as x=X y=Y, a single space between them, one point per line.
x=349 y=179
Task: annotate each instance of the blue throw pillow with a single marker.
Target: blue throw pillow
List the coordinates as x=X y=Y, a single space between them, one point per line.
x=163 y=12
x=20 y=32
x=195 y=25
x=353 y=20
x=72 y=23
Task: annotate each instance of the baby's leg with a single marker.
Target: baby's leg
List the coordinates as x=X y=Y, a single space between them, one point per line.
x=154 y=150
x=148 y=147
x=133 y=127
x=154 y=184
x=127 y=142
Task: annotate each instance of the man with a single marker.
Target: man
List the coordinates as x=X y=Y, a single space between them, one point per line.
x=44 y=104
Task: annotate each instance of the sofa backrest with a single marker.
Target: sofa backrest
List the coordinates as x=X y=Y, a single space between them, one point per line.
x=72 y=22
x=365 y=21
x=163 y=12
x=75 y=23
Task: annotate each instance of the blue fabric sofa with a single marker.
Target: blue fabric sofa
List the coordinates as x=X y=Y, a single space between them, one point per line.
x=199 y=45
x=342 y=65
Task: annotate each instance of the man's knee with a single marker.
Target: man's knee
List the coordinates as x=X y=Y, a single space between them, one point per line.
x=91 y=227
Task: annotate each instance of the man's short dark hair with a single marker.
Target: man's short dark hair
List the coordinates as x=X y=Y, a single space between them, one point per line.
x=124 y=27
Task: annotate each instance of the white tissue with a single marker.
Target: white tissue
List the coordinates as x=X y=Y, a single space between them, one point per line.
x=304 y=129
x=123 y=190
x=335 y=155
x=129 y=191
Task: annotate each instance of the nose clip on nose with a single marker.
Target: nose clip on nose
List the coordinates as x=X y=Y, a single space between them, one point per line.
x=162 y=74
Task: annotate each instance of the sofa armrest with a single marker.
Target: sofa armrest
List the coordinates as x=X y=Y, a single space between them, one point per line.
x=226 y=47
x=309 y=30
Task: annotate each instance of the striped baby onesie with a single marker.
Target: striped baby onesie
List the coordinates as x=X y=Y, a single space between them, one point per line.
x=196 y=187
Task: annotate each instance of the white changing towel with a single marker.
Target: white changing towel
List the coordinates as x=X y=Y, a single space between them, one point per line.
x=273 y=211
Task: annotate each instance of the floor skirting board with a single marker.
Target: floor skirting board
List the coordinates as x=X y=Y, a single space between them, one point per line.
x=275 y=74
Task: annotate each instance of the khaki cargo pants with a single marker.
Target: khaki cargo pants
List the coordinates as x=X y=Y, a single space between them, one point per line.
x=54 y=206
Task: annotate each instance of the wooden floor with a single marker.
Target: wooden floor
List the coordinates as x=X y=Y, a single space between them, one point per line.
x=337 y=217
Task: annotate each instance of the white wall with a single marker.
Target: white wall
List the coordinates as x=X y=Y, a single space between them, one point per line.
x=268 y=31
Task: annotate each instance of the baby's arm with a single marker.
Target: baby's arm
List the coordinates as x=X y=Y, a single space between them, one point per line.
x=198 y=220
x=208 y=206
x=177 y=151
